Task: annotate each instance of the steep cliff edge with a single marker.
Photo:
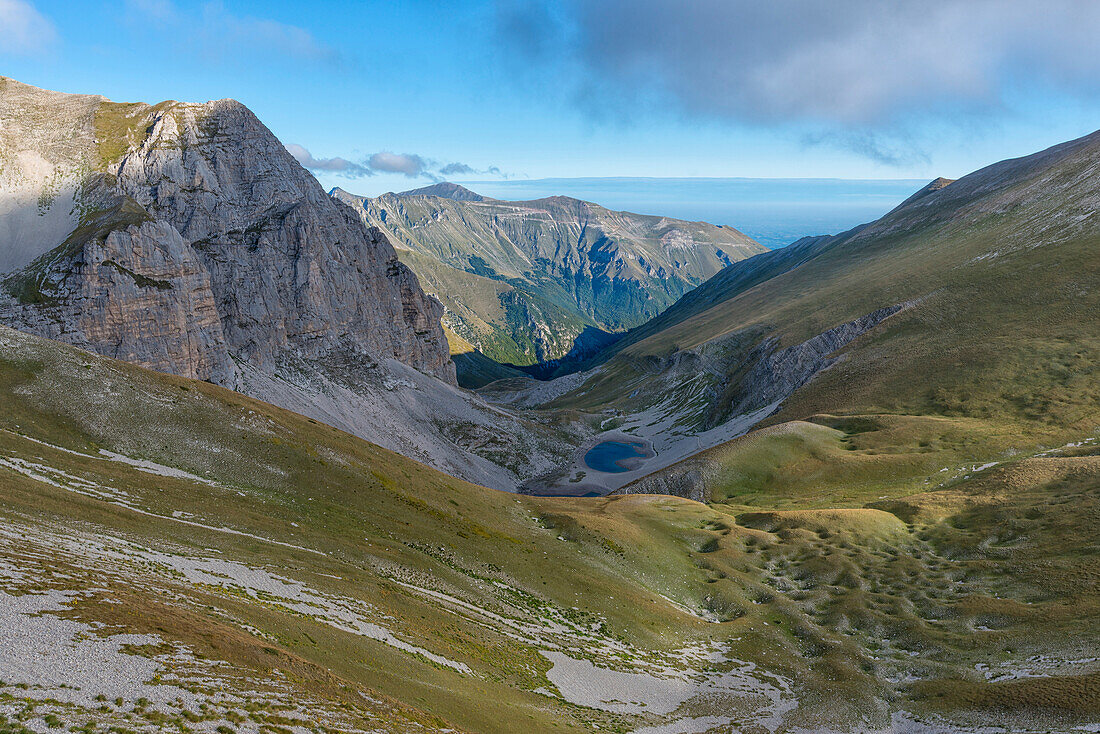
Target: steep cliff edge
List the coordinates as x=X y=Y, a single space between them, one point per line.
x=186 y=239
x=194 y=220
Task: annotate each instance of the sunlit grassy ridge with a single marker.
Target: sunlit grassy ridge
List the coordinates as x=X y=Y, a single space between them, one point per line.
x=1000 y=275
x=837 y=461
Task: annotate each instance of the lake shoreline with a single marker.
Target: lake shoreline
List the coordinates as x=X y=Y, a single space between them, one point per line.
x=579 y=479
x=639 y=450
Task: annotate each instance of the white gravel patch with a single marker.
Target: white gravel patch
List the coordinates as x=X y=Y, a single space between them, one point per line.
x=586 y=684
x=77 y=672
x=66 y=660
x=151 y=467
x=750 y=696
x=398 y=408
x=535 y=393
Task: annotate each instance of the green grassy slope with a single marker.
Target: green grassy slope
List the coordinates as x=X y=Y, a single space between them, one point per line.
x=282 y=562
x=962 y=433
x=346 y=519
x=1003 y=284
x=980 y=555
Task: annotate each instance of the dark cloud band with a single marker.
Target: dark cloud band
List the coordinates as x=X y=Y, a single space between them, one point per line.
x=854 y=70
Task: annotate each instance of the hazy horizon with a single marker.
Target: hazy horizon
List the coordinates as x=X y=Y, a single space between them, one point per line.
x=773 y=211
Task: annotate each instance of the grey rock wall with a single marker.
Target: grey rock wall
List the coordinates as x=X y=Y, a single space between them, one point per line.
x=240 y=257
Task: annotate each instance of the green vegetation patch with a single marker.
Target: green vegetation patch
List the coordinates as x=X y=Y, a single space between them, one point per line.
x=142 y=281
x=120 y=126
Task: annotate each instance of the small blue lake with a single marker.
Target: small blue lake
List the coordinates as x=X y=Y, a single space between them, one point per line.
x=607 y=456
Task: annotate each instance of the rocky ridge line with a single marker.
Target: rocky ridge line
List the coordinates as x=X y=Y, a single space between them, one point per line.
x=204 y=244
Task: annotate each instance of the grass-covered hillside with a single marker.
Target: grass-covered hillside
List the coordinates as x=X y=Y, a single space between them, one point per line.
x=998 y=278
x=985 y=555
x=530 y=282
x=175 y=555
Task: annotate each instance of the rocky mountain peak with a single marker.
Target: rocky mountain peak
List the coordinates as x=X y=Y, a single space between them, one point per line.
x=445 y=190
x=210 y=206
x=931 y=188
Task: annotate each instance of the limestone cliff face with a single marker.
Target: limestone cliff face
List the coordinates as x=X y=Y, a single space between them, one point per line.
x=139 y=295
x=185 y=238
x=200 y=244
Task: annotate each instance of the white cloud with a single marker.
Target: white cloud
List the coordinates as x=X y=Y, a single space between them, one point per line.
x=409 y=165
x=23 y=30
x=341 y=166
x=214 y=31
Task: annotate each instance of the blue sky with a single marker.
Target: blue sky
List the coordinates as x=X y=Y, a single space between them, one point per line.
x=488 y=89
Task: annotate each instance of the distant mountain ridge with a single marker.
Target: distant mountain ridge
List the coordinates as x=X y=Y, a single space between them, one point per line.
x=975 y=299
x=444 y=190
x=529 y=282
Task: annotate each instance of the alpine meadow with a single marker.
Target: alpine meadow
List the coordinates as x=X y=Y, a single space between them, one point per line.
x=299 y=433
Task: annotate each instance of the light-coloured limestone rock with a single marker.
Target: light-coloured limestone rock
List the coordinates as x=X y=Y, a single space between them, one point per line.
x=193 y=243
x=222 y=247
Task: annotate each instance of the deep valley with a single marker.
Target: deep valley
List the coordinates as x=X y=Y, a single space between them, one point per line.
x=274 y=459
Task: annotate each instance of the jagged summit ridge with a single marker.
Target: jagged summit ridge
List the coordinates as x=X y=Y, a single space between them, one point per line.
x=285 y=266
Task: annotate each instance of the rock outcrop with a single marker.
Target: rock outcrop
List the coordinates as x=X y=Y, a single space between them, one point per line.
x=776 y=374
x=688 y=481
x=770 y=376
x=202 y=243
